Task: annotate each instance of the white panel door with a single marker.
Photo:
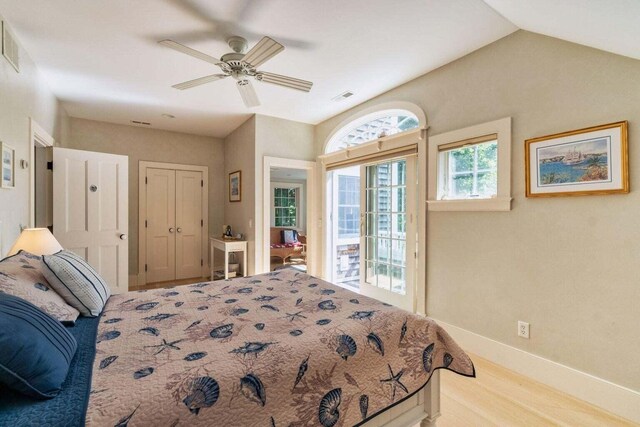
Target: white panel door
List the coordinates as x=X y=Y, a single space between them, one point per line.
x=90 y=210
x=161 y=225
x=189 y=223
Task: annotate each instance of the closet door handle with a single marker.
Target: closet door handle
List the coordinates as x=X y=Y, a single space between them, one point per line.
x=171 y=230
x=179 y=230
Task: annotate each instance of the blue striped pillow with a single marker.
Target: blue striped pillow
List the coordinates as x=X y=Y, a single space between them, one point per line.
x=76 y=282
x=35 y=349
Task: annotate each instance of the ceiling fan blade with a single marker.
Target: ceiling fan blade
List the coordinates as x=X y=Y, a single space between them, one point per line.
x=248 y=93
x=200 y=81
x=191 y=52
x=286 y=81
x=266 y=49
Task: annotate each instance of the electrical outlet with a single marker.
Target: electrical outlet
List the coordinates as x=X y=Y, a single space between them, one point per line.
x=523 y=329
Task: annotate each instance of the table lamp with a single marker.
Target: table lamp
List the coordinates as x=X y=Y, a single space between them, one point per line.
x=38 y=241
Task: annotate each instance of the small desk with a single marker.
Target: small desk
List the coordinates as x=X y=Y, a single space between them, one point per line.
x=227 y=246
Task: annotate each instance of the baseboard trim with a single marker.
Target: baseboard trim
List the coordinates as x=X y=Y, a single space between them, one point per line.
x=614 y=398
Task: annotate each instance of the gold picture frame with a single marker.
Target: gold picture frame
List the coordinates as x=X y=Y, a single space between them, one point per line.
x=235 y=186
x=583 y=162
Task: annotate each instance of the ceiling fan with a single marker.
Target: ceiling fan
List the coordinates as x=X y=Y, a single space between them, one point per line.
x=241 y=66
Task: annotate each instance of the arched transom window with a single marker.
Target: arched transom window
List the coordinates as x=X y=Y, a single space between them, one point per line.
x=372 y=126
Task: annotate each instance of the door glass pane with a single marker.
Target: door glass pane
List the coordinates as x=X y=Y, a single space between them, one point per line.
x=383 y=250
x=384 y=279
x=371 y=201
x=398 y=280
x=384 y=225
x=398 y=252
x=371 y=250
x=398 y=199
x=384 y=174
x=399 y=226
x=370 y=273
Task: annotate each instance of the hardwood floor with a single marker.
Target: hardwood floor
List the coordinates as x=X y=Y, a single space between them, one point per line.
x=497 y=396
x=159 y=285
x=500 y=397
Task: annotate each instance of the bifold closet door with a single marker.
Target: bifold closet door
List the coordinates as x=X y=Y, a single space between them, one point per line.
x=189 y=223
x=161 y=228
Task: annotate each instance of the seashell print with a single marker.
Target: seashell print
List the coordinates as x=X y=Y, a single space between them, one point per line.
x=127 y=301
x=364 y=405
x=252 y=388
x=298 y=301
x=245 y=290
x=327 y=291
x=403 y=331
x=230 y=301
x=427 y=357
x=239 y=311
x=145 y=372
x=203 y=307
x=295 y=333
x=269 y=307
x=273 y=422
x=264 y=298
x=354 y=301
x=223 y=331
x=327 y=305
x=124 y=421
x=254 y=281
x=329 y=410
x=203 y=393
x=29 y=255
x=360 y=315
x=179 y=304
x=107 y=336
x=259 y=326
x=107 y=361
x=251 y=348
x=313 y=285
x=197 y=291
x=199 y=285
x=146 y=306
x=301 y=371
x=270 y=288
x=142 y=291
x=447 y=359
x=149 y=331
x=375 y=343
x=322 y=322
x=386 y=304
x=41 y=286
x=294 y=291
x=28 y=267
x=114 y=320
x=196 y=323
x=346 y=346
x=195 y=356
x=161 y=316
x=170 y=294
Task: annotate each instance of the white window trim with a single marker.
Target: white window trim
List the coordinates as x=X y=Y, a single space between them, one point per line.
x=300 y=201
x=502 y=201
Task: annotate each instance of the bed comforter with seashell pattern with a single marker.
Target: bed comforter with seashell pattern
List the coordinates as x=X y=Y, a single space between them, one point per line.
x=279 y=349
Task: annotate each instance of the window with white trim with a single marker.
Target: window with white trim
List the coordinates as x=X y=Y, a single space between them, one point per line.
x=469 y=171
x=348 y=206
x=285 y=203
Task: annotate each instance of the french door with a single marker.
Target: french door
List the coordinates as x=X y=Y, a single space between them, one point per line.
x=388 y=231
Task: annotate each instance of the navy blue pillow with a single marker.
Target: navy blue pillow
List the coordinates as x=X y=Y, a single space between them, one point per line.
x=35 y=349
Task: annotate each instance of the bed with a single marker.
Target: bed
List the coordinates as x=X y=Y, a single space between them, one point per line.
x=278 y=349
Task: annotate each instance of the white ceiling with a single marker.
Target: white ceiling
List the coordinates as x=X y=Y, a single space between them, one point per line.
x=102 y=60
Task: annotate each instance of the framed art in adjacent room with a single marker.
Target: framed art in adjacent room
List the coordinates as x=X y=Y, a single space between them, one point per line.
x=235 y=186
x=8 y=166
x=590 y=161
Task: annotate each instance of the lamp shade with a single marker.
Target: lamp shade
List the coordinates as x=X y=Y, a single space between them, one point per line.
x=38 y=241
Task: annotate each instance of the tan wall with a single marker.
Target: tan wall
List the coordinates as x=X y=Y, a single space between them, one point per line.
x=240 y=155
x=23 y=95
x=569 y=266
x=156 y=146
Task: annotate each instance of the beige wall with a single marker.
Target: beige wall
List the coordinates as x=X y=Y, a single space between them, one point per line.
x=156 y=146
x=23 y=95
x=569 y=266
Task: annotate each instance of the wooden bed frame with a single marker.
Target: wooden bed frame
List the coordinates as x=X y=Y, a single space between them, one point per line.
x=423 y=408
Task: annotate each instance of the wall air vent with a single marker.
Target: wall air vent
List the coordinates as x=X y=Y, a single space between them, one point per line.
x=343 y=95
x=10 y=49
x=138 y=122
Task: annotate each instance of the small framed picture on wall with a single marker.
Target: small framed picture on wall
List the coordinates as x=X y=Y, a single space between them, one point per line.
x=235 y=186
x=8 y=166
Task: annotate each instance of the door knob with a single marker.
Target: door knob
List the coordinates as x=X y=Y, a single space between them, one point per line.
x=123 y=237
x=171 y=230
x=179 y=230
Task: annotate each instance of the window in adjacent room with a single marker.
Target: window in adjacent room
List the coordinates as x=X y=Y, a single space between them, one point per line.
x=285 y=203
x=348 y=206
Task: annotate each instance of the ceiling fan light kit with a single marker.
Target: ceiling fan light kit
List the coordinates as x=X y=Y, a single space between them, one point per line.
x=241 y=66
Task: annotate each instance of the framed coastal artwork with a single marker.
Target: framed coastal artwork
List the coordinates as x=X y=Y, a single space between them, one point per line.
x=8 y=166
x=590 y=161
x=235 y=186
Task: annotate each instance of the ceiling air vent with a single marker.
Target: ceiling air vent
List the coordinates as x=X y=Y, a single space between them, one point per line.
x=343 y=95
x=138 y=122
x=10 y=48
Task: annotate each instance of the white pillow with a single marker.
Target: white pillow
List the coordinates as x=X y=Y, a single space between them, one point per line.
x=77 y=282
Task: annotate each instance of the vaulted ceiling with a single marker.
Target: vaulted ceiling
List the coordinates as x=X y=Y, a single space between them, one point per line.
x=102 y=59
